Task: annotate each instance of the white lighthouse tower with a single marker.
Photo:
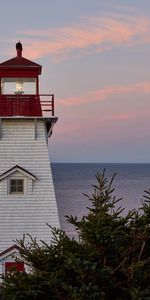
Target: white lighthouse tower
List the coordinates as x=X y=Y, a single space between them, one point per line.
x=27 y=197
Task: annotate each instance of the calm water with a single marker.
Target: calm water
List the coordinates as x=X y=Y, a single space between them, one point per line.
x=72 y=180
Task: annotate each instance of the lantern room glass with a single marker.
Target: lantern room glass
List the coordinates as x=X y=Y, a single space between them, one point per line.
x=18 y=85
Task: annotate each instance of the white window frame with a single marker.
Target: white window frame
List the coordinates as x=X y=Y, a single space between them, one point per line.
x=17 y=192
x=18 y=85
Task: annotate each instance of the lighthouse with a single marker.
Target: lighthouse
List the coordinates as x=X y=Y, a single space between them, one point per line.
x=27 y=196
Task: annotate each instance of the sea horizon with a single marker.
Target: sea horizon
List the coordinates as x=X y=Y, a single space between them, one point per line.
x=84 y=162
x=72 y=180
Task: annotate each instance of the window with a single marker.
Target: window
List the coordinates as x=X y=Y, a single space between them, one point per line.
x=18 y=85
x=16 y=186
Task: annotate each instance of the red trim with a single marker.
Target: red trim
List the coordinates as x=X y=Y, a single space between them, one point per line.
x=37 y=86
x=19 y=72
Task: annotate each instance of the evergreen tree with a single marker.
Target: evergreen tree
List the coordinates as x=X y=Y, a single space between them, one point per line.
x=110 y=259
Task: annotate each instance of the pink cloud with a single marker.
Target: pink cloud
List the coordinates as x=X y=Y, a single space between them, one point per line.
x=91 y=34
x=111 y=127
x=119 y=117
x=105 y=93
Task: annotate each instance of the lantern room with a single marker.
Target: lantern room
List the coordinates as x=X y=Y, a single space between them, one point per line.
x=19 y=88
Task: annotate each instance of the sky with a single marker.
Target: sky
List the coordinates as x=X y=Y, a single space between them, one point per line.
x=95 y=57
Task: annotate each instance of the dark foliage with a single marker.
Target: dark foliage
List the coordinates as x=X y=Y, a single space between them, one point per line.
x=111 y=260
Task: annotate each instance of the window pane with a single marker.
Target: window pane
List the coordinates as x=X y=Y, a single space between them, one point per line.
x=12 y=189
x=20 y=186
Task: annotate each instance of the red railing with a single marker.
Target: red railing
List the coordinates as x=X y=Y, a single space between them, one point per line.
x=47 y=104
x=27 y=105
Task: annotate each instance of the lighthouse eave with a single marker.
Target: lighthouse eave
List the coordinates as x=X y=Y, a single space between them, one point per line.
x=49 y=122
x=52 y=118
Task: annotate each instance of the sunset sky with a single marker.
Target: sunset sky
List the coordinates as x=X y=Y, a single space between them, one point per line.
x=96 y=60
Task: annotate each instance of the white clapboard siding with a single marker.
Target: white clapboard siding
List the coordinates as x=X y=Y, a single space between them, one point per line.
x=28 y=212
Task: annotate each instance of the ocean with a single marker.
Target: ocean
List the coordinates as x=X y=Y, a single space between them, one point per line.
x=71 y=180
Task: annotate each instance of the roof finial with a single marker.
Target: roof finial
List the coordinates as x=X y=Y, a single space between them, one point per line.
x=19 y=49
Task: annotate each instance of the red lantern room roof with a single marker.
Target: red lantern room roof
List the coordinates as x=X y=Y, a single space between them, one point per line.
x=19 y=89
x=19 y=62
